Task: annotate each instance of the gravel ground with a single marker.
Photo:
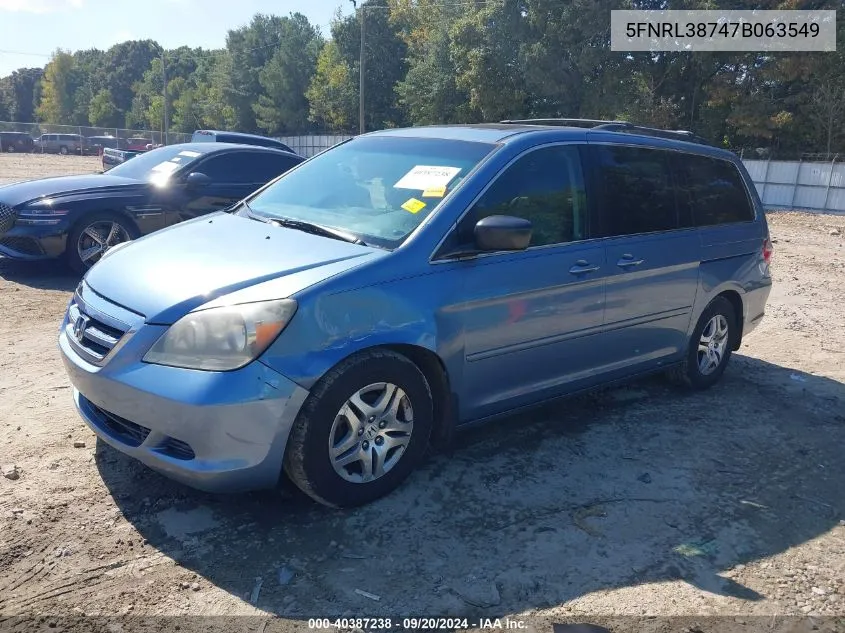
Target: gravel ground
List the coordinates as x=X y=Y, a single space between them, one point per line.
x=640 y=501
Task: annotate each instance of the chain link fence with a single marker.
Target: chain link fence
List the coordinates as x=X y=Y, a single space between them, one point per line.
x=39 y=137
x=310 y=144
x=47 y=138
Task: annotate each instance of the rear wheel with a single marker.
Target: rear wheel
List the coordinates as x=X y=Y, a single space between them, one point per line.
x=63 y=150
x=362 y=431
x=709 y=347
x=11 y=149
x=93 y=236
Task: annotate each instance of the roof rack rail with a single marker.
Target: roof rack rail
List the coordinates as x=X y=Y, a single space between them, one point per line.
x=576 y=122
x=615 y=126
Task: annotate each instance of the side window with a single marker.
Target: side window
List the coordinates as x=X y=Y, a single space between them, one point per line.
x=638 y=196
x=545 y=187
x=713 y=189
x=245 y=167
x=265 y=167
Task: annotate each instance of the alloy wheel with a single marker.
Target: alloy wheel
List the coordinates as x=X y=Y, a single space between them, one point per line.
x=97 y=238
x=712 y=344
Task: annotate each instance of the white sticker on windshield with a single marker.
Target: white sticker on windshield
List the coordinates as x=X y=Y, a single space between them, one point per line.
x=424 y=177
x=189 y=154
x=166 y=167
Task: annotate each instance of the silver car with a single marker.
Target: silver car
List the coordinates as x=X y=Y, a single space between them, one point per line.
x=60 y=144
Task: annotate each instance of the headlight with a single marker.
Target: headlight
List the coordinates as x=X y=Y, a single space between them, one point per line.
x=221 y=339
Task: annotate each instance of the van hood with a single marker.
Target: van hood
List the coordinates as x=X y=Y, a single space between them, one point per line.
x=166 y=274
x=21 y=192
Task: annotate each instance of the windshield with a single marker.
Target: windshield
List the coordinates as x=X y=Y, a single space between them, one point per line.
x=156 y=165
x=378 y=188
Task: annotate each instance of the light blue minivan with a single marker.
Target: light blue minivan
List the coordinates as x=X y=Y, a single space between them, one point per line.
x=409 y=282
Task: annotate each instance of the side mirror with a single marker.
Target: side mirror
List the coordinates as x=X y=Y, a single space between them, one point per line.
x=197 y=180
x=502 y=233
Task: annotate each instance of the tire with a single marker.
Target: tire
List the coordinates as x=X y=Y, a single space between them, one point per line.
x=11 y=149
x=691 y=373
x=309 y=455
x=63 y=150
x=100 y=223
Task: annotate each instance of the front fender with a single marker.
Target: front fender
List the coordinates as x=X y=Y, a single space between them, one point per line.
x=332 y=327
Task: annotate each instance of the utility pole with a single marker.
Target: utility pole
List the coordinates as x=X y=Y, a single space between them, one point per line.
x=362 y=68
x=164 y=78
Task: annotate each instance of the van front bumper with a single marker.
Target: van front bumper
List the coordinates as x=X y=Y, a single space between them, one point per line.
x=214 y=431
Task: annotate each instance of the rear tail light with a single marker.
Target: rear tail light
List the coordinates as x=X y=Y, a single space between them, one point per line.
x=768 y=250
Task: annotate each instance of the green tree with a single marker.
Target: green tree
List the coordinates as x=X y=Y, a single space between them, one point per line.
x=102 y=112
x=125 y=65
x=58 y=89
x=283 y=106
x=250 y=48
x=385 y=61
x=18 y=94
x=332 y=95
x=428 y=93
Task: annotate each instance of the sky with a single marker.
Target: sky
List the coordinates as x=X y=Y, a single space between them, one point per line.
x=31 y=29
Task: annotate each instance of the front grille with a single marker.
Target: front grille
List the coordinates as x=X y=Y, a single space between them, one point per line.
x=91 y=335
x=22 y=245
x=7 y=217
x=119 y=428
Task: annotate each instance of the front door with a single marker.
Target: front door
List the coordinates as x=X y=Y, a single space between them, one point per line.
x=234 y=175
x=531 y=317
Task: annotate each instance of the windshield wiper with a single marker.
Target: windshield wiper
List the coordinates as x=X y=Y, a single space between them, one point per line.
x=316 y=229
x=307 y=227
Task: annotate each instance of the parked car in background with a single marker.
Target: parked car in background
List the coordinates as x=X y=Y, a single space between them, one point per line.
x=138 y=143
x=16 y=142
x=112 y=157
x=94 y=145
x=82 y=217
x=60 y=144
x=408 y=282
x=215 y=136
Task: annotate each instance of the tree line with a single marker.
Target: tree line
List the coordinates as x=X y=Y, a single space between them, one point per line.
x=446 y=61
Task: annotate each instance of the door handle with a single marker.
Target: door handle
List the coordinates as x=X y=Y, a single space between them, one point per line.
x=582 y=266
x=628 y=261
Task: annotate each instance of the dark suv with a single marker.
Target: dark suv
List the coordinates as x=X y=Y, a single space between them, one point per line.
x=212 y=136
x=16 y=142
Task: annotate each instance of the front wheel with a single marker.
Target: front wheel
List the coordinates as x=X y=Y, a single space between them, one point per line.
x=362 y=430
x=709 y=347
x=93 y=236
x=63 y=150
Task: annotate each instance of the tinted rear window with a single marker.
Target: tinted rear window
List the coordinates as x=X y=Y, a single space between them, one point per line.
x=246 y=167
x=637 y=190
x=712 y=189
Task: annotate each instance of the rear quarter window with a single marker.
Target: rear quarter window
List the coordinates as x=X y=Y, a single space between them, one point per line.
x=713 y=189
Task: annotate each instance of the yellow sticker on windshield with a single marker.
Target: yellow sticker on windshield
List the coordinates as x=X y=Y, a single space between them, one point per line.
x=412 y=205
x=434 y=192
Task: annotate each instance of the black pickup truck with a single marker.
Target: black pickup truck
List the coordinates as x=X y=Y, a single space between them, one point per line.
x=112 y=157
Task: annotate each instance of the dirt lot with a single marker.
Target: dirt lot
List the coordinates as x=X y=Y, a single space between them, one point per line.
x=642 y=501
x=15 y=167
